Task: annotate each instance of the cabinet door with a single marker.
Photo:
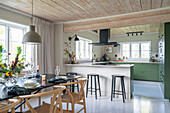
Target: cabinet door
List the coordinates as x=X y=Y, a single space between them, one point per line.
x=146 y=71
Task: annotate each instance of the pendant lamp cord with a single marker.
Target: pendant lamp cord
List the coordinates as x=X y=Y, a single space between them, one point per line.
x=32 y=14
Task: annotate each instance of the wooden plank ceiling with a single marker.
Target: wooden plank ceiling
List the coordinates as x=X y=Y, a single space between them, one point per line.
x=71 y=10
x=148 y=28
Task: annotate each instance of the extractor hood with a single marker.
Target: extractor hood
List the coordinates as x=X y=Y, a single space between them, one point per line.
x=104 y=38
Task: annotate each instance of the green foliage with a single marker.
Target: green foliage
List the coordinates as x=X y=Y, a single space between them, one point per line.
x=22 y=59
x=15 y=67
x=19 y=50
x=0 y=49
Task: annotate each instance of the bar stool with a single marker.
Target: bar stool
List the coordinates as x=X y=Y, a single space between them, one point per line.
x=91 y=88
x=71 y=86
x=122 y=92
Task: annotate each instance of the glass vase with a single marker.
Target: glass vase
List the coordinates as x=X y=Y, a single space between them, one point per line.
x=11 y=81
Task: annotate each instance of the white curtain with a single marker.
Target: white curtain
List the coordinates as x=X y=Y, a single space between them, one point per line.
x=45 y=51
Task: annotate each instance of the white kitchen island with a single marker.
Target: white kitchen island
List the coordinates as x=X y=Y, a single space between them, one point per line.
x=105 y=72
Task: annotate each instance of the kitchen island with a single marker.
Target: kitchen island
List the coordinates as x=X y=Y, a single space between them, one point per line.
x=105 y=72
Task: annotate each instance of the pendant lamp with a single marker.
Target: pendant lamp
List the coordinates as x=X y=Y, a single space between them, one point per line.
x=32 y=37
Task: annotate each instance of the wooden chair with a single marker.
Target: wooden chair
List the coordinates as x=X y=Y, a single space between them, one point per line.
x=54 y=107
x=75 y=98
x=10 y=104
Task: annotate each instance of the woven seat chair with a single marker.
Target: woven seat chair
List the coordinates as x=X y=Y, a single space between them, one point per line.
x=9 y=105
x=75 y=98
x=55 y=105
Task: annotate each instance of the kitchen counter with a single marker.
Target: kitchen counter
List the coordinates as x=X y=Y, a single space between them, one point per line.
x=127 y=62
x=105 y=71
x=100 y=64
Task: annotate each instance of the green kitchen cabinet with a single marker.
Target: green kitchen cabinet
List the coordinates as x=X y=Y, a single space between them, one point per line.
x=145 y=71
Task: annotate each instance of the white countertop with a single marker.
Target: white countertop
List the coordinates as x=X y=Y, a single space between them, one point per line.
x=92 y=65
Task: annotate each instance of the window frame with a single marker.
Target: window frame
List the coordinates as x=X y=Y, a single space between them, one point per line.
x=90 y=49
x=8 y=26
x=130 y=50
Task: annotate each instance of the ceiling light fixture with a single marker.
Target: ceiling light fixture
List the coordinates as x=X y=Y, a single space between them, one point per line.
x=140 y=32
x=75 y=38
x=32 y=37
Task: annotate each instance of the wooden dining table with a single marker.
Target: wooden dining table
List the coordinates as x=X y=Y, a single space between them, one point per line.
x=45 y=81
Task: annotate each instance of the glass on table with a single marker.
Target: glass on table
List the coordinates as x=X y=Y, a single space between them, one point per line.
x=3 y=90
x=57 y=71
x=43 y=77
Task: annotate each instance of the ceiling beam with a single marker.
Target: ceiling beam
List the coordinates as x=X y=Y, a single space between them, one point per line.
x=140 y=18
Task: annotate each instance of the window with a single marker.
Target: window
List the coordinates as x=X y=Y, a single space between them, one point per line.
x=11 y=35
x=83 y=49
x=135 y=50
x=139 y=50
x=126 y=50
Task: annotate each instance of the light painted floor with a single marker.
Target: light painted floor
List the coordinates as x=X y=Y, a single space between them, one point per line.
x=147 y=99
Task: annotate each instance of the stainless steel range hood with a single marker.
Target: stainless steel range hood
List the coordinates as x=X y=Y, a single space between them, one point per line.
x=104 y=38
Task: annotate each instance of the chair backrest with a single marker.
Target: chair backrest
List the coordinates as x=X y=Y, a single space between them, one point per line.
x=82 y=82
x=82 y=85
x=10 y=104
x=54 y=102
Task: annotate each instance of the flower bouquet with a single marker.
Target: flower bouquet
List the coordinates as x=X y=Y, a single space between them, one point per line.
x=70 y=54
x=9 y=71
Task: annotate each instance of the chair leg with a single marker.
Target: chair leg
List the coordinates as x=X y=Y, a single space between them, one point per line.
x=112 y=89
x=39 y=101
x=91 y=85
x=24 y=105
x=67 y=105
x=122 y=90
x=21 y=106
x=72 y=107
x=84 y=103
x=95 y=86
x=87 y=87
x=99 y=85
x=114 y=86
x=13 y=110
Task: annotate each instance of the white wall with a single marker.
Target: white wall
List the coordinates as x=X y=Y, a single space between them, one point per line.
x=14 y=17
x=153 y=37
x=88 y=35
x=59 y=44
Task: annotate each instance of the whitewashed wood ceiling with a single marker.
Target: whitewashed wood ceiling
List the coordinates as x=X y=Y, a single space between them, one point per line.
x=70 y=10
x=148 y=28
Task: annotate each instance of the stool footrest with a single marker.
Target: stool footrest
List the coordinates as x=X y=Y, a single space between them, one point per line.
x=118 y=91
x=92 y=90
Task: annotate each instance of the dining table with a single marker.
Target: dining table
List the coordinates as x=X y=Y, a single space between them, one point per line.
x=44 y=81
